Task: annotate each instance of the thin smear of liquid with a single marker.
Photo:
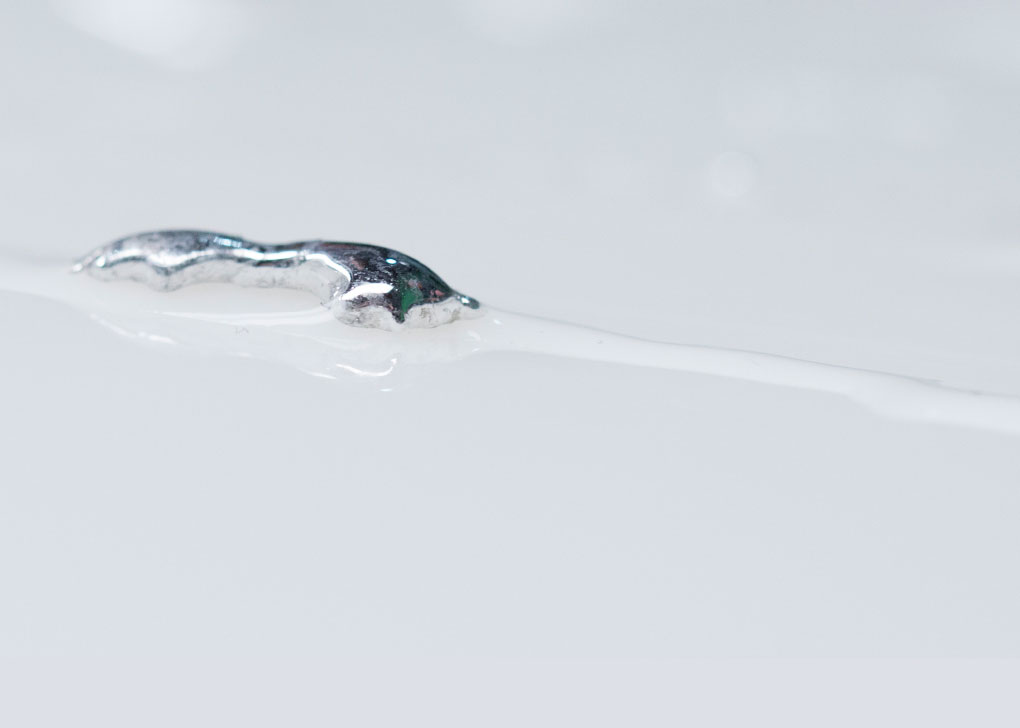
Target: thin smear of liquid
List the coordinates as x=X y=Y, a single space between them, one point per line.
x=312 y=341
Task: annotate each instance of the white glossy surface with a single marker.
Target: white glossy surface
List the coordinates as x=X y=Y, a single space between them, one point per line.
x=837 y=186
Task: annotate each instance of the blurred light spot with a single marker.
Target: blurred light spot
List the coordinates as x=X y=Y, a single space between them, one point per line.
x=183 y=34
x=732 y=174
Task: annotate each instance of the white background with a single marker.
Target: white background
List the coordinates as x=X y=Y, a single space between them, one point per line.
x=190 y=537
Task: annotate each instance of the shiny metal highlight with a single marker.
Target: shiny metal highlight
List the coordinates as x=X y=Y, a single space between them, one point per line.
x=361 y=285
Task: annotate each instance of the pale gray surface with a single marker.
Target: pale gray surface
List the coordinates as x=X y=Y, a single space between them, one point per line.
x=837 y=184
x=713 y=693
x=507 y=505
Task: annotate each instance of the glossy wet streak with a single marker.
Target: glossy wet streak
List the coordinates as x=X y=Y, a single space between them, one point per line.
x=310 y=340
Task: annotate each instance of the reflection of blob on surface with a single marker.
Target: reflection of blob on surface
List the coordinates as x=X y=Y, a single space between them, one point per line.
x=310 y=341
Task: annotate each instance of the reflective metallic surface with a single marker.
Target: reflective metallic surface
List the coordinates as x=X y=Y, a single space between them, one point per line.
x=362 y=285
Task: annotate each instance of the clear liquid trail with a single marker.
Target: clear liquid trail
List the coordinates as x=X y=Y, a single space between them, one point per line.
x=893 y=395
x=312 y=341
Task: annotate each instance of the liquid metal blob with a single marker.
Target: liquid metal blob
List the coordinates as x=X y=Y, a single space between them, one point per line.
x=361 y=285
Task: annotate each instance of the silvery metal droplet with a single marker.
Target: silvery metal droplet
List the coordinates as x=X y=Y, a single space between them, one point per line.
x=362 y=285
